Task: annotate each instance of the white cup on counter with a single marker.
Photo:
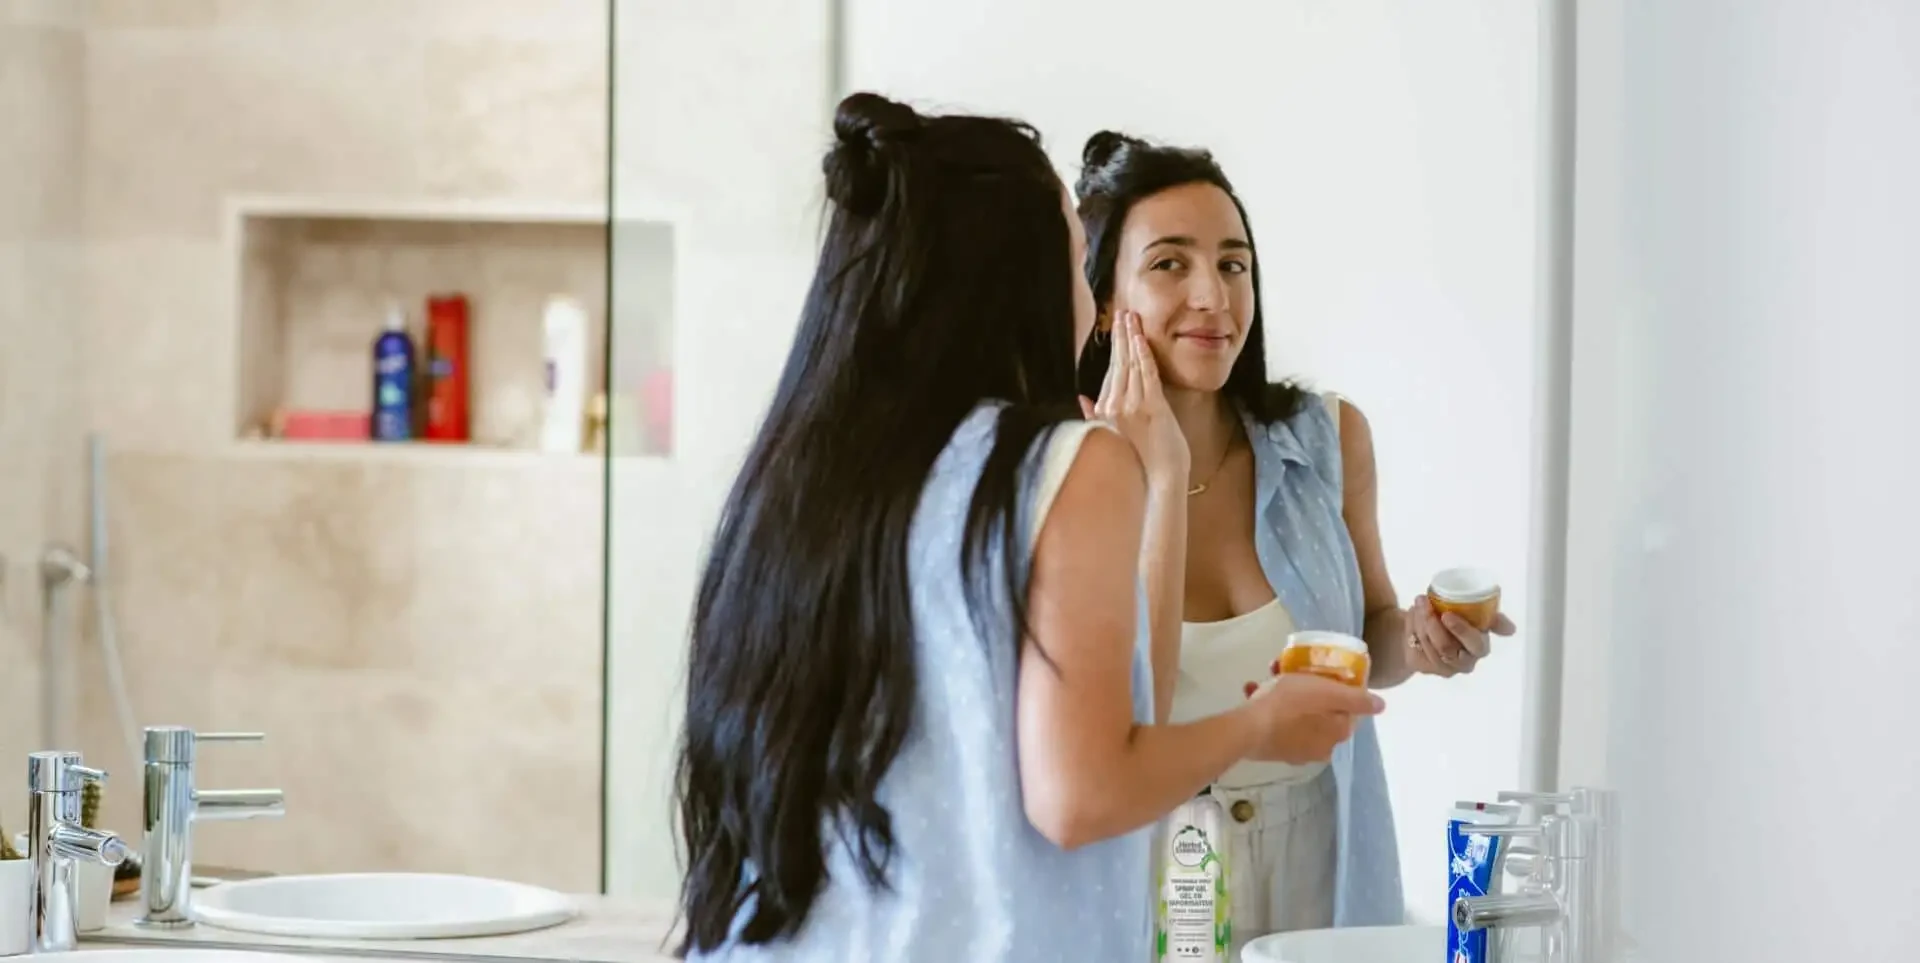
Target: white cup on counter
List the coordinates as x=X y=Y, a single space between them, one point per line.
x=16 y=896
x=96 y=891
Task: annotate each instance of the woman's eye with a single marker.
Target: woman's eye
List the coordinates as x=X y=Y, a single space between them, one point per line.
x=1233 y=267
x=1166 y=264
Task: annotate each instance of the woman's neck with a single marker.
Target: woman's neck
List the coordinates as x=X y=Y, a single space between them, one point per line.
x=1210 y=423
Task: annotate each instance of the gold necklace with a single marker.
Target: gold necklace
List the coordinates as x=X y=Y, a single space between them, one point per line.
x=1203 y=486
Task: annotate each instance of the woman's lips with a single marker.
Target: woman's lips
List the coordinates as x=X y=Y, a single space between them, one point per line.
x=1210 y=341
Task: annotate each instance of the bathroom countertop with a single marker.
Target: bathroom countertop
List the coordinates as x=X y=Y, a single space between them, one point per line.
x=608 y=930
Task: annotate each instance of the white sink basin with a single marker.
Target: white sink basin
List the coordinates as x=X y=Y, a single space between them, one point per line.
x=1360 y=944
x=380 y=906
x=156 y=955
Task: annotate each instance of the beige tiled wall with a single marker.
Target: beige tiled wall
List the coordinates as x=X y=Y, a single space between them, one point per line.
x=418 y=638
x=410 y=100
x=40 y=89
x=418 y=634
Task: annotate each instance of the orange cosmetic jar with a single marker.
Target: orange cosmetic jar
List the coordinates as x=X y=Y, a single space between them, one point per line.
x=1333 y=655
x=1471 y=593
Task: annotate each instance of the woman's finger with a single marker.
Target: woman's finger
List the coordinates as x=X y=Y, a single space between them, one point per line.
x=1420 y=661
x=1149 y=371
x=1122 y=358
x=1136 y=374
x=1440 y=644
x=1113 y=349
x=1104 y=404
x=1471 y=639
x=1502 y=626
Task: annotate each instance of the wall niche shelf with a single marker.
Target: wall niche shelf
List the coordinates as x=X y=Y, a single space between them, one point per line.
x=402 y=453
x=313 y=278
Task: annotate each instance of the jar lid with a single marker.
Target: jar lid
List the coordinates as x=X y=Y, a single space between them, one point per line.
x=1332 y=640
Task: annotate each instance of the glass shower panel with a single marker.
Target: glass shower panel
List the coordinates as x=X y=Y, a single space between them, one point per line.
x=720 y=113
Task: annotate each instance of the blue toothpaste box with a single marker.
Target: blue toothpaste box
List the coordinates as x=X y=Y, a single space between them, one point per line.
x=1475 y=864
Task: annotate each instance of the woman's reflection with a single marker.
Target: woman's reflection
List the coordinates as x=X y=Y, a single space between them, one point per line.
x=919 y=723
x=1281 y=531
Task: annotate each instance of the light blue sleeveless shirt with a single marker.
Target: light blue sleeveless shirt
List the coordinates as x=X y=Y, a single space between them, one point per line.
x=1307 y=554
x=971 y=880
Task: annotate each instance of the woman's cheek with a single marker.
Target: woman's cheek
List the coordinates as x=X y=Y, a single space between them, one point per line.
x=1156 y=308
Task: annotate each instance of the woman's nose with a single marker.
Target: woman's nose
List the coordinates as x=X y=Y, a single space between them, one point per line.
x=1206 y=290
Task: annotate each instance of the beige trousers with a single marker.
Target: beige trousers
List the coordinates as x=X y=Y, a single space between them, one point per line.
x=1282 y=845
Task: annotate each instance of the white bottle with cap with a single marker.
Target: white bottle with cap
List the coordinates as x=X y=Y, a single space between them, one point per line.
x=563 y=428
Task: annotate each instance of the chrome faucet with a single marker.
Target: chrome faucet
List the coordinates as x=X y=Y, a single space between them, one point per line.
x=173 y=805
x=1599 y=808
x=56 y=843
x=1566 y=895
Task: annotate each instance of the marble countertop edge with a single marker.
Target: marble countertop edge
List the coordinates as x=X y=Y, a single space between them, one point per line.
x=607 y=930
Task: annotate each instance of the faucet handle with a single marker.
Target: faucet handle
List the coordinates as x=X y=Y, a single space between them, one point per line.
x=174 y=744
x=1561 y=836
x=1578 y=801
x=1484 y=829
x=1536 y=798
x=59 y=771
x=229 y=737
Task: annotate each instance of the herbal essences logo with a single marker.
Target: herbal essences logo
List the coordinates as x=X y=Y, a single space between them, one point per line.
x=1190 y=847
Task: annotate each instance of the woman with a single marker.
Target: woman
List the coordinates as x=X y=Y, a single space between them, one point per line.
x=919 y=713
x=1264 y=522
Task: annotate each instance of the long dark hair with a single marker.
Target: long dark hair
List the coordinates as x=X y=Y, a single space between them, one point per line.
x=1117 y=172
x=944 y=283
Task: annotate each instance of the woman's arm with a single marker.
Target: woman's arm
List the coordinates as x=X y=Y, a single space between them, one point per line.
x=1450 y=645
x=1163 y=569
x=1132 y=401
x=1386 y=625
x=1088 y=771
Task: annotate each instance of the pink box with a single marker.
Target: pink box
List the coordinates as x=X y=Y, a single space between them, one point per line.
x=326 y=426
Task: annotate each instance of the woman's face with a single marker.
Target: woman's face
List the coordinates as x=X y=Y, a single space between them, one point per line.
x=1084 y=312
x=1185 y=267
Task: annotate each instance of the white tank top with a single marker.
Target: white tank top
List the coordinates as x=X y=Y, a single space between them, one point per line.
x=1218 y=659
x=1062 y=449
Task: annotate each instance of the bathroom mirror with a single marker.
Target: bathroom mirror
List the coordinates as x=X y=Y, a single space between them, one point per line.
x=1386 y=153
x=458 y=618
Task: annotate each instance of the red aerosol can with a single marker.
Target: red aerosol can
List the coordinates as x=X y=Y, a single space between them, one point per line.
x=446 y=368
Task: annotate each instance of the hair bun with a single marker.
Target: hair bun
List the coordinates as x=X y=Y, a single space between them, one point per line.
x=865 y=126
x=1104 y=146
x=869 y=120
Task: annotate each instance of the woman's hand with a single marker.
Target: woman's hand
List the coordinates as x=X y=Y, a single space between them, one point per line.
x=1304 y=717
x=1131 y=400
x=1445 y=644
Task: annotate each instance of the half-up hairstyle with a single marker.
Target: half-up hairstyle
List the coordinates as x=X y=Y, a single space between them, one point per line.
x=944 y=283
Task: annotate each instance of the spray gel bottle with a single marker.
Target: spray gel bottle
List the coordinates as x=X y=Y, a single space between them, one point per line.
x=1193 y=912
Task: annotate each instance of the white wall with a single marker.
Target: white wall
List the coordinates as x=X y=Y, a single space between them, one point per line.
x=1767 y=614
x=1385 y=149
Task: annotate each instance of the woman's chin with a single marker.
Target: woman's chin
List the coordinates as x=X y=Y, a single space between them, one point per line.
x=1205 y=380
